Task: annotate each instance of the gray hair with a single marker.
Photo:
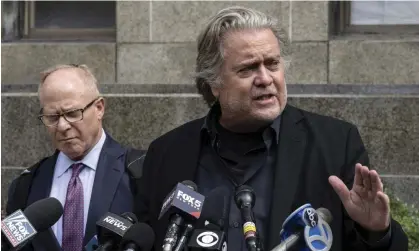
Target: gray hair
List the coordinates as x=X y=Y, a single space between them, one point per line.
x=210 y=52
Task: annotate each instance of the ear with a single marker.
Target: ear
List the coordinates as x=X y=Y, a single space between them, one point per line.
x=100 y=108
x=215 y=89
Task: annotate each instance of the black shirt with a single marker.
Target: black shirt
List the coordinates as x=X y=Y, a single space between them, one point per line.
x=233 y=159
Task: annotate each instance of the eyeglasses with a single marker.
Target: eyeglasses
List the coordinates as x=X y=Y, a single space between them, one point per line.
x=70 y=116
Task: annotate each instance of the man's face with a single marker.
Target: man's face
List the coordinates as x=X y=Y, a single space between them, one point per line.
x=252 y=92
x=64 y=91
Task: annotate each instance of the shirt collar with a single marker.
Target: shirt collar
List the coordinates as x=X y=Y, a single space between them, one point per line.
x=213 y=115
x=90 y=160
x=276 y=125
x=209 y=128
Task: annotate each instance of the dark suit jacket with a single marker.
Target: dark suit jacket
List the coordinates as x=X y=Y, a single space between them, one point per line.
x=111 y=190
x=311 y=148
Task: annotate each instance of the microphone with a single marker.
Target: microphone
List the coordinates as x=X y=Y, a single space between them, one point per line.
x=212 y=212
x=208 y=239
x=20 y=227
x=212 y=236
x=320 y=237
x=111 y=228
x=245 y=200
x=139 y=237
x=184 y=236
x=298 y=220
x=182 y=204
x=216 y=208
x=313 y=224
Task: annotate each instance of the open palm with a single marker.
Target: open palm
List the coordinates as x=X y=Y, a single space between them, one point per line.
x=366 y=203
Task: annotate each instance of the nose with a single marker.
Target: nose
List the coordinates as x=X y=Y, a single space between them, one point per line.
x=263 y=77
x=63 y=124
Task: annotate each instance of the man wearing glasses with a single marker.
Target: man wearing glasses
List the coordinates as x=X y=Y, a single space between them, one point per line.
x=87 y=172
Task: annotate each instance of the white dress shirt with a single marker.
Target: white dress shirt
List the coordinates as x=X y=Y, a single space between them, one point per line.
x=62 y=175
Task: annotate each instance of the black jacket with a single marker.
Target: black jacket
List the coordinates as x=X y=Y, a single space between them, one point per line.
x=311 y=148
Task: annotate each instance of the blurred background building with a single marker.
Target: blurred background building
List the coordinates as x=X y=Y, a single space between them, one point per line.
x=358 y=61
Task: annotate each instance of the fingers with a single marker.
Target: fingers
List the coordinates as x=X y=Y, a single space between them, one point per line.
x=370 y=179
x=365 y=173
x=340 y=188
x=376 y=184
x=385 y=201
x=358 y=176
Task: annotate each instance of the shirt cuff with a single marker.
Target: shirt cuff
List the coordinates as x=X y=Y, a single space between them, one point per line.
x=374 y=239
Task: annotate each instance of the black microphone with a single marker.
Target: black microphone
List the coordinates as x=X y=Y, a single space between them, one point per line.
x=208 y=239
x=211 y=207
x=216 y=208
x=314 y=227
x=182 y=204
x=139 y=237
x=189 y=227
x=20 y=227
x=245 y=200
x=111 y=228
x=211 y=235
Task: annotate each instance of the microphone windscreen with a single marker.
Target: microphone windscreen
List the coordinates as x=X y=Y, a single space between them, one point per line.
x=325 y=214
x=244 y=195
x=141 y=235
x=215 y=209
x=44 y=213
x=190 y=184
x=244 y=188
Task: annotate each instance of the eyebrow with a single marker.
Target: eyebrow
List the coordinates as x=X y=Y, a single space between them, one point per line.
x=244 y=64
x=252 y=61
x=57 y=113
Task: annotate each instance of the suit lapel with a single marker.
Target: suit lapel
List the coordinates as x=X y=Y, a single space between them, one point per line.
x=109 y=171
x=41 y=186
x=291 y=148
x=179 y=164
x=40 y=189
x=186 y=156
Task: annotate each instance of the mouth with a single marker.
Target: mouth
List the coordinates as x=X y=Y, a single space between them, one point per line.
x=264 y=97
x=66 y=140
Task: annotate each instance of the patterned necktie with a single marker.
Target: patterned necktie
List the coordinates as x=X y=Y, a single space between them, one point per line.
x=73 y=217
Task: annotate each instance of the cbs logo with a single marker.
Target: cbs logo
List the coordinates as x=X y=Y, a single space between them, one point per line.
x=207 y=239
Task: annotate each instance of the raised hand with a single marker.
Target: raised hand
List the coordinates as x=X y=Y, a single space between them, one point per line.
x=366 y=203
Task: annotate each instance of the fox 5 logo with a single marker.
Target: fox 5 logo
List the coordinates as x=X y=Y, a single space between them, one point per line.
x=189 y=199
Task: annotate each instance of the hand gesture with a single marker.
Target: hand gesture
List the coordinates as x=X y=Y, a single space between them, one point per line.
x=366 y=203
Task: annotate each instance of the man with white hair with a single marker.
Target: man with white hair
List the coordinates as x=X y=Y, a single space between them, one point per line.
x=252 y=137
